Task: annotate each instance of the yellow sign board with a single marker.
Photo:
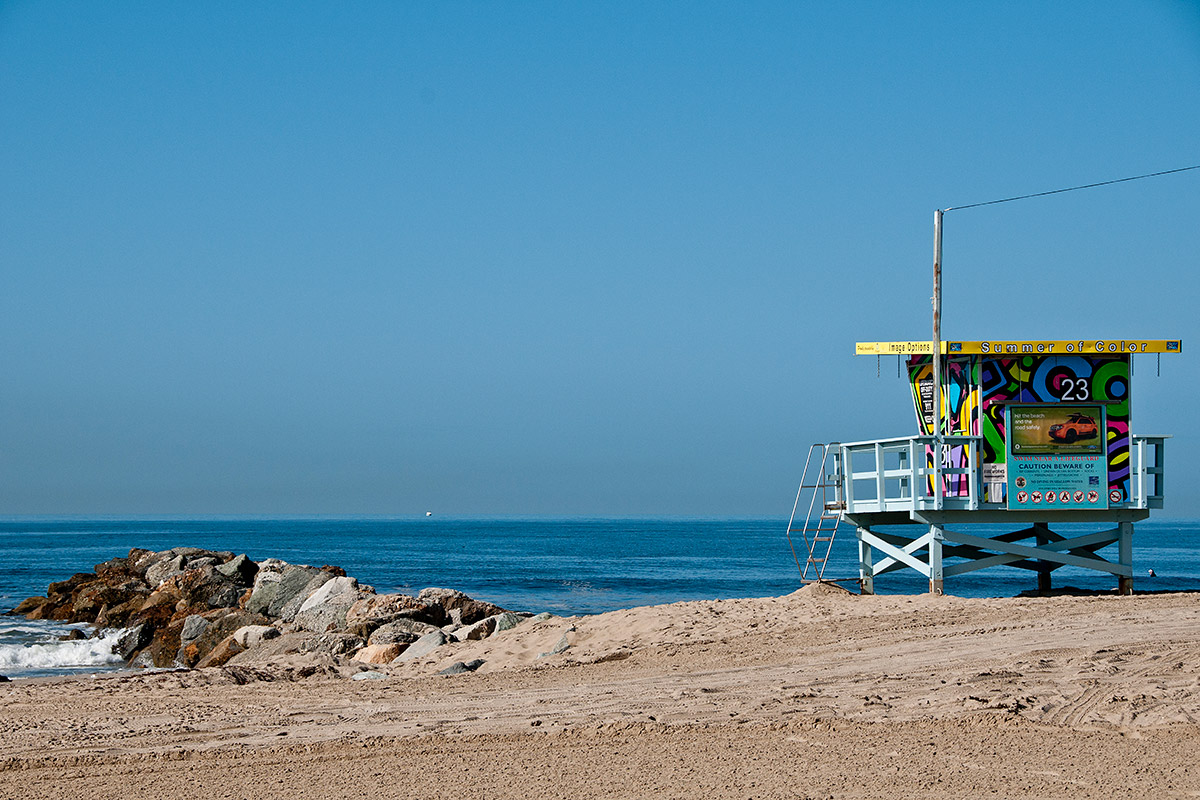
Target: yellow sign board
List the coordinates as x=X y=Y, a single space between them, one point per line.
x=894 y=348
x=1027 y=347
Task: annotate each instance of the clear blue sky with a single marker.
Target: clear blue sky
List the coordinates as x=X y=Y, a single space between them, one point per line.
x=558 y=258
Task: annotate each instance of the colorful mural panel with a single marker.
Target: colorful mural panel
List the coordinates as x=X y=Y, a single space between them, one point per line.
x=960 y=402
x=1060 y=379
x=980 y=386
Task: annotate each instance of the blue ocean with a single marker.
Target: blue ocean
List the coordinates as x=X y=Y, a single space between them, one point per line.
x=565 y=566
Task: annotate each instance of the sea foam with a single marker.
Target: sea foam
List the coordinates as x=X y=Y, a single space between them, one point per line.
x=57 y=657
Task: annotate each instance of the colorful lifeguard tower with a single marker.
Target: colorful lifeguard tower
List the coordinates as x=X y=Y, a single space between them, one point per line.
x=1027 y=435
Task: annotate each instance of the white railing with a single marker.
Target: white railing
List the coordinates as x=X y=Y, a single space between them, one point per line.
x=1146 y=471
x=896 y=474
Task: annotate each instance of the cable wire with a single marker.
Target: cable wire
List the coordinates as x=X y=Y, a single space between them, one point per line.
x=1073 y=188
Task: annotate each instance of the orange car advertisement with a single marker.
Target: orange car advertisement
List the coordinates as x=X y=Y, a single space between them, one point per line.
x=1050 y=429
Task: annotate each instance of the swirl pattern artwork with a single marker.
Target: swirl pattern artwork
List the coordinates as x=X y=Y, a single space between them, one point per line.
x=978 y=387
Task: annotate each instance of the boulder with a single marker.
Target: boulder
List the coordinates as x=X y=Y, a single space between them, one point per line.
x=142 y=560
x=148 y=560
x=292 y=607
x=400 y=631
x=333 y=644
x=326 y=608
x=134 y=559
x=221 y=624
x=166 y=568
x=192 y=607
x=507 y=621
x=117 y=570
x=479 y=630
x=376 y=610
x=250 y=636
x=133 y=640
x=226 y=649
x=89 y=599
x=275 y=584
x=60 y=597
x=60 y=590
x=43 y=611
x=165 y=647
x=469 y=610
x=422 y=647
x=561 y=646
x=459 y=667
x=240 y=569
x=193 y=627
x=158 y=608
x=378 y=653
x=117 y=616
x=30 y=605
x=282 y=646
x=134 y=589
x=224 y=595
x=202 y=587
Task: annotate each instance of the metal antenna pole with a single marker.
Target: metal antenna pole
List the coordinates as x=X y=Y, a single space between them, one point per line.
x=937 y=355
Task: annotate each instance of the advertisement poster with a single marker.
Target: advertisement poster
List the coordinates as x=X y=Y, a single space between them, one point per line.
x=1056 y=457
x=925 y=390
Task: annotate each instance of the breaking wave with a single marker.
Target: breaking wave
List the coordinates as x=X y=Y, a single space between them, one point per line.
x=28 y=650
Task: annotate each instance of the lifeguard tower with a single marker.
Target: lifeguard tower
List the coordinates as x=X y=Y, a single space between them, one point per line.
x=1030 y=433
x=1021 y=436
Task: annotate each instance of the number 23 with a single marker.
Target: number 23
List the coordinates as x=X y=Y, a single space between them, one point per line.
x=1075 y=389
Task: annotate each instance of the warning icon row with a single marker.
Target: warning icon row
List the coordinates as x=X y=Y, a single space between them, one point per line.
x=1065 y=497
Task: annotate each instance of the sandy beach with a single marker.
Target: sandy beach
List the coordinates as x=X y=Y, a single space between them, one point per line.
x=817 y=694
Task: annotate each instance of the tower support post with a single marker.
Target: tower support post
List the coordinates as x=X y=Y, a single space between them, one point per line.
x=1043 y=573
x=1125 y=557
x=866 y=569
x=936 y=534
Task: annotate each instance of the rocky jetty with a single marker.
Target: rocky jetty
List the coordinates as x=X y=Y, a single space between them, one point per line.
x=188 y=607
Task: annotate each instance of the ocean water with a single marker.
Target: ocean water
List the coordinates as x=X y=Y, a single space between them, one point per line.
x=565 y=566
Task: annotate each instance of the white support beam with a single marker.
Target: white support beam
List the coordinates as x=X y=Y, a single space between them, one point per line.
x=979 y=563
x=1047 y=552
x=982 y=562
x=905 y=546
x=1099 y=539
x=895 y=554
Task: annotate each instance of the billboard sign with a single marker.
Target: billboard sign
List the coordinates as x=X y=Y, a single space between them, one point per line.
x=1056 y=457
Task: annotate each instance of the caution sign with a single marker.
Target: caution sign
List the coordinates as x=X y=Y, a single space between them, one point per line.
x=1055 y=457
